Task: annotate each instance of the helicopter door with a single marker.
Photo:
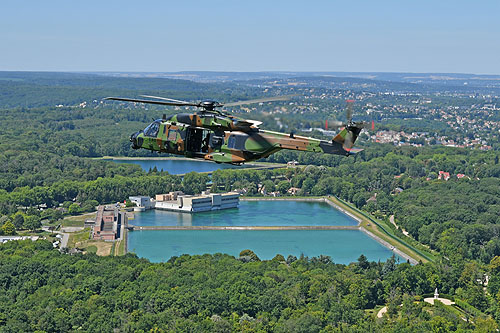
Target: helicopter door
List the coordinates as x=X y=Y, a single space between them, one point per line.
x=194 y=139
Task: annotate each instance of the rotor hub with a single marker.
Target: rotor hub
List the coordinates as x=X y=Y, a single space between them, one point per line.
x=209 y=105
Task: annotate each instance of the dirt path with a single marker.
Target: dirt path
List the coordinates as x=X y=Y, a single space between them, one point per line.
x=391 y=219
x=380 y=314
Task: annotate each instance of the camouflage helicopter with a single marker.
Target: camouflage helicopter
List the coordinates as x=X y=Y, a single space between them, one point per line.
x=223 y=138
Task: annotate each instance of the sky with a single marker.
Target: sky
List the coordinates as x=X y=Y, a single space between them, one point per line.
x=438 y=36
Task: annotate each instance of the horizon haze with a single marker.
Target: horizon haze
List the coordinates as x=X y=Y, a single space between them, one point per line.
x=124 y=36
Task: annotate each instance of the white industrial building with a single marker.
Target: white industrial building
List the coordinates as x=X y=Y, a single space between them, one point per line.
x=201 y=203
x=142 y=202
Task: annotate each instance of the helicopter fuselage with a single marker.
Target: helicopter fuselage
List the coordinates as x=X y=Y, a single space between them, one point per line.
x=222 y=145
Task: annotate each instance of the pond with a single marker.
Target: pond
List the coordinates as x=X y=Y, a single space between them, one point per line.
x=176 y=166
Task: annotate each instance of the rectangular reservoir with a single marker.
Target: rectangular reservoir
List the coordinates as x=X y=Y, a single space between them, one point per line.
x=343 y=246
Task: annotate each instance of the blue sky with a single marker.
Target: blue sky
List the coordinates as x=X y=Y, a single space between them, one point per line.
x=161 y=36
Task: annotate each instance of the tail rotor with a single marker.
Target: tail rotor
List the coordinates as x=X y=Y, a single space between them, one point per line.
x=351 y=128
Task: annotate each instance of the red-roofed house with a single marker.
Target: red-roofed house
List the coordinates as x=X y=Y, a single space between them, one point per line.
x=444 y=175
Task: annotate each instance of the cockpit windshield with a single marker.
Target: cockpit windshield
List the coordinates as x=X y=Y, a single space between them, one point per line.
x=152 y=129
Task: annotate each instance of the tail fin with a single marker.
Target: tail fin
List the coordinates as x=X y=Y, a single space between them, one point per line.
x=347 y=137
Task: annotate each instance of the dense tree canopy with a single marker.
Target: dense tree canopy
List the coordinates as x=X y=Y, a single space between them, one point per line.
x=45 y=290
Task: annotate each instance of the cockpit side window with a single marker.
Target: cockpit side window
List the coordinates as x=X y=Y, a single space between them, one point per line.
x=152 y=129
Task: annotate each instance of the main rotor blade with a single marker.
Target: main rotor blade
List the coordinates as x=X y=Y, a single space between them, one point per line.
x=330 y=124
x=166 y=99
x=260 y=100
x=149 y=102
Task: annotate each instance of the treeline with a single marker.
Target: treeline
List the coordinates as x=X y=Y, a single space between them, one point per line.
x=33 y=168
x=40 y=89
x=42 y=289
x=26 y=207
x=103 y=190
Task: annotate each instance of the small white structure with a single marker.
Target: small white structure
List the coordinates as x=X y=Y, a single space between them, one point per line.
x=5 y=239
x=431 y=300
x=142 y=201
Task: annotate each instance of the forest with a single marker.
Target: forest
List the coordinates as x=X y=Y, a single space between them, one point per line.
x=44 y=290
x=49 y=168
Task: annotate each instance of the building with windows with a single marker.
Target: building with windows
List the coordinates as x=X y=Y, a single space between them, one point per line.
x=200 y=203
x=171 y=196
x=108 y=222
x=142 y=201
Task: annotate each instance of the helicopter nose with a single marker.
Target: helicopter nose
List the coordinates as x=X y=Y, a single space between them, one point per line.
x=133 y=139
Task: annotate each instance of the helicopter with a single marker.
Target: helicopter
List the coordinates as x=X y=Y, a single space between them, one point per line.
x=217 y=136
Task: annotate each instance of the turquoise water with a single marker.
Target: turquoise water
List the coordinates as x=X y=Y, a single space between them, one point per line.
x=176 y=167
x=343 y=246
x=251 y=213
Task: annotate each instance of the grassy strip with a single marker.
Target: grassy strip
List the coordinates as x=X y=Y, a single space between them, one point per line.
x=410 y=242
x=76 y=221
x=383 y=231
x=76 y=237
x=91 y=249
x=120 y=251
x=72 y=223
x=113 y=249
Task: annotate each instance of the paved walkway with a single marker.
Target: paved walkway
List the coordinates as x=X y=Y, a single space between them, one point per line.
x=391 y=219
x=445 y=301
x=64 y=240
x=429 y=300
x=380 y=314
